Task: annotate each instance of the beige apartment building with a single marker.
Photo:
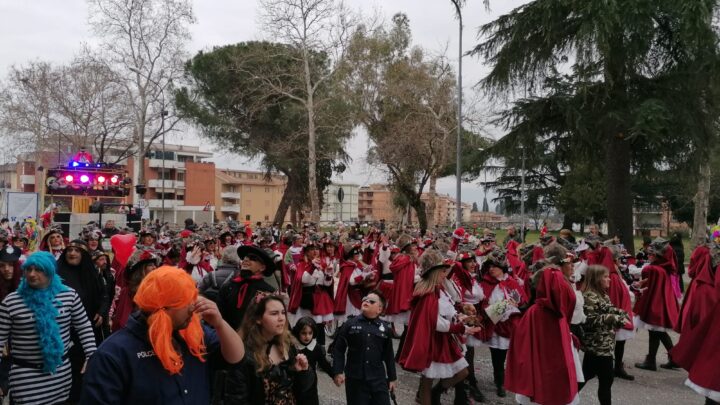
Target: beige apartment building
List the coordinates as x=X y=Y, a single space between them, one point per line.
x=375 y=203
x=245 y=195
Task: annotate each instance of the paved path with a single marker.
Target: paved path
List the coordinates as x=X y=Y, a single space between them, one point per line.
x=664 y=387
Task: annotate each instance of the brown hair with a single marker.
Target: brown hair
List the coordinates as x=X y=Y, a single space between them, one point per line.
x=428 y=282
x=593 y=278
x=251 y=333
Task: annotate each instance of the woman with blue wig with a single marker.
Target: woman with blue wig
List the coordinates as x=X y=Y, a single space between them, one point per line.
x=37 y=319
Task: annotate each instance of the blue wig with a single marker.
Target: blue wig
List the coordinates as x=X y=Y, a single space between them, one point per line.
x=44 y=307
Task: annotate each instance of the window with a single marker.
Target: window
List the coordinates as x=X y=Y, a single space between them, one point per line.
x=247 y=217
x=267 y=189
x=248 y=189
x=181 y=176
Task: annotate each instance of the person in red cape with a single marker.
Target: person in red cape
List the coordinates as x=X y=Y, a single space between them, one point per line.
x=501 y=293
x=139 y=265
x=518 y=267
x=464 y=275
x=656 y=309
x=310 y=295
x=700 y=296
x=619 y=294
x=430 y=347
x=352 y=284
x=386 y=254
x=540 y=361
x=697 y=350
x=403 y=268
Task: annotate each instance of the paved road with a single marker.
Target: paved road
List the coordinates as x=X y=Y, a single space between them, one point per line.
x=664 y=387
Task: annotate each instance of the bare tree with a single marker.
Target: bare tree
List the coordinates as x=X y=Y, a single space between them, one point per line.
x=144 y=41
x=312 y=27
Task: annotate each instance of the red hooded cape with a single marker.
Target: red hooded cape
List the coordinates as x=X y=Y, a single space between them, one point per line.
x=540 y=360
x=297 y=287
x=344 y=291
x=697 y=350
x=423 y=344
x=701 y=295
x=403 y=269
x=518 y=267
x=657 y=304
x=618 y=291
x=504 y=328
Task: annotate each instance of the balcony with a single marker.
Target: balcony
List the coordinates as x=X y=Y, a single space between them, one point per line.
x=157 y=203
x=230 y=208
x=179 y=184
x=166 y=184
x=230 y=195
x=27 y=179
x=169 y=164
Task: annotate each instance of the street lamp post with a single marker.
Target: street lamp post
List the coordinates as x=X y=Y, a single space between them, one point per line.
x=458 y=165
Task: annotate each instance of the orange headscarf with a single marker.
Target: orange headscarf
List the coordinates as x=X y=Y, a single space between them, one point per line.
x=170 y=287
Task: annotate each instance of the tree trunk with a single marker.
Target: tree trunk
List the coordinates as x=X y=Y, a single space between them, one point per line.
x=312 y=158
x=619 y=194
x=285 y=202
x=702 y=201
x=432 y=203
x=419 y=207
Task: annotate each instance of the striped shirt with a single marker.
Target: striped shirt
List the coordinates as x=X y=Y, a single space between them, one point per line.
x=17 y=325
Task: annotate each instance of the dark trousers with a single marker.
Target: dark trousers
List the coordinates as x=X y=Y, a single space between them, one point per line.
x=362 y=392
x=498 y=362
x=619 y=353
x=656 y=338
x=602 y=367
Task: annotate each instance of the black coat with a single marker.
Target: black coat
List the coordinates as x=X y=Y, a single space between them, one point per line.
x=228 y=298
x=243 y=385
x=316 y=359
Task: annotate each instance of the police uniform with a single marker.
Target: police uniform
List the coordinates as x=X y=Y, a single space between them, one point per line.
x=368 y=344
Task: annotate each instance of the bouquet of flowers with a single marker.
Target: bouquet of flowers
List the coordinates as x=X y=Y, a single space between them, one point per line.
x=501 y=310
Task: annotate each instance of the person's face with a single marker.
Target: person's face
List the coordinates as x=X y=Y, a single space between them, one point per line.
x=36 y=278
x=511 y=231
x=253 y=263
x=101 y=262
x=181 y=316
x=93 y=244
x=6 y=270
x=274 y=320
x=443 y=274
x=496 y=272
x=330 y=250
x=470 y=265
x=210 y=246
x=297 y=242
x=605 y=280
x=55 y=240
x=306 y=335
x=20 y=244
x=73 y=255
x=413 y=250
x=313 y=253
x=147 y=240
x=227 y=239
x=371 y=306
x=568 y=270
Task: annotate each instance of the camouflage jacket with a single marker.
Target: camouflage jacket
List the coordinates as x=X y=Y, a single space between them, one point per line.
x=602 y=321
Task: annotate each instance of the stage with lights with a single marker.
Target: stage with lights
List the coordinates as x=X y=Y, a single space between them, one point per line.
x=86 y=178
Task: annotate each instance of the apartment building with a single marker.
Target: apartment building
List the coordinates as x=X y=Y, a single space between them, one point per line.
x=375 y=202
x=245 y=195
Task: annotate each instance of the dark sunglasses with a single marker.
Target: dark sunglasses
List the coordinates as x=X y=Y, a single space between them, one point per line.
x=253 y=258
x=370 y=300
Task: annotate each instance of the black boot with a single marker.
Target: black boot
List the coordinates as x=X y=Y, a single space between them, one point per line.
x=621 y=373
x=501 y=391
x=436 y=393
x=670 y=365
x=461 y=395
x=648 y=364
x=475 y=393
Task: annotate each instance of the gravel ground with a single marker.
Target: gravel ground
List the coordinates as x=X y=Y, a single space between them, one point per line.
x=659 y=388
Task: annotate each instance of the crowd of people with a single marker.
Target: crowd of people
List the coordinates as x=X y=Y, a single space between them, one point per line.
x=234 y=314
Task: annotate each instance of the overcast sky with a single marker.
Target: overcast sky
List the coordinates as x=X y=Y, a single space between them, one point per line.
x=53 y=30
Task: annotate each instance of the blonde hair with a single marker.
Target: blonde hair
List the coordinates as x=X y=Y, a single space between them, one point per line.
x=251 y=333
x=593 y=279
x=428 y=282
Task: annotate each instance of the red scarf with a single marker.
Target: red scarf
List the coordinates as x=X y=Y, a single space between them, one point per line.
x=244 y=286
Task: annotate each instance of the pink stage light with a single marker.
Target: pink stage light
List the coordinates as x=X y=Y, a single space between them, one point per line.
x=69 y=178
x=114 y=179
x=84 y=178
x=101 y=179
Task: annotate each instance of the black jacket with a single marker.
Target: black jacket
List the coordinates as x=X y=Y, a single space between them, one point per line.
x=315 y=354
x=244 y=386
x=209 y=286
x=228 y=298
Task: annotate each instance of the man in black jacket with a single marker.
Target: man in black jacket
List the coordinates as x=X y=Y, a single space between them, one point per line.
x=228 y=269
x=369 y=372
x=235 y=295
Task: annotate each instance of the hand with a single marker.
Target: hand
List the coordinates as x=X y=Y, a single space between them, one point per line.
x=339 y=379
x=98 y=320
x=472 y=330
x=208 y=311
x=461 y=317
x=392 y=385
x=301 y=363
x=82 y=370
